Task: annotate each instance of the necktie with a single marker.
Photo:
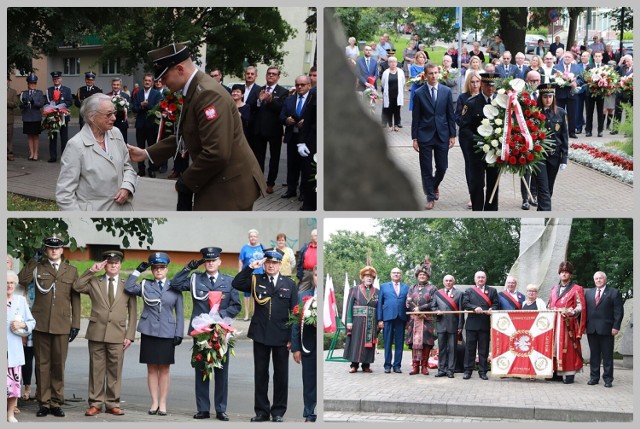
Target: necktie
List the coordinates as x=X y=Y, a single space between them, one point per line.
x=88 y=89
x=367 y=61
x=506 y=68
x=212 y=279
x=396 y=287
x=57 y=88
x=271 y=285
x=598 y=296
x=299 y=106
x=111 y=291
x=488 y=100
x=433 y=93
x=268 y=90
x=160 y=284
x=55 y=266
x=30 y=92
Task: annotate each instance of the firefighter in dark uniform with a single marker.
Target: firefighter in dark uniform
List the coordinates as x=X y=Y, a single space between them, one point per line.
x=556 y=125
x=86 y=91
x=199 y=285
x=56 y=308
x=275 y=296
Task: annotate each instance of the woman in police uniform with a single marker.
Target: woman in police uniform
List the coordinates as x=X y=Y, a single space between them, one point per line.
x=31 y=101
x=556 y=127
x=161 y=326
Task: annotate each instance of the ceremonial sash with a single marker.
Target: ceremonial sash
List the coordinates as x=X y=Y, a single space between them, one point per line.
x=510 y=298
x=484 y=296
x=367 y=313
x=448 y=299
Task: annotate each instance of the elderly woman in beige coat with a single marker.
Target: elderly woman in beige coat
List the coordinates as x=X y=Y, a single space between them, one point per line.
x=96 y=173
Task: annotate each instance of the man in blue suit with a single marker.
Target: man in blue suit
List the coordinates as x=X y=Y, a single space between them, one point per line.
x=510 y=298
x=146 y=127
x=605 y=311
x=199 y=285
x=392 y=318
x=521 y=68
x=506 y=69
x=60 y=96
x=564 y=96
x=366 y=67
x=433 y=130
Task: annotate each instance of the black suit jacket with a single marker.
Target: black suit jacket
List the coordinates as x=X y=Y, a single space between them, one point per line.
x=449 y=323
x=265 y=119
x=269 y=324
x=307 y=336
x=252 y=100
x=308 y=133
x=607 y=314
x=120 y=122
x=289 y=109
x=471 y=300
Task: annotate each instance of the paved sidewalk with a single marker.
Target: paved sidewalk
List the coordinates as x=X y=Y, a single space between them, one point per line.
x=577 y=189
x=357 y=396
x=38 y=179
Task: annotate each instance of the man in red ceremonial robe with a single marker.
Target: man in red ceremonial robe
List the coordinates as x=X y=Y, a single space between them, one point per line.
x=568 y=297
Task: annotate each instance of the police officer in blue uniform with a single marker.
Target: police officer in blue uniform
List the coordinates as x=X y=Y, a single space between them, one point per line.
x=161 y=326
x=31 y=101
x=86 y=91
x=199 y=284
x=60 y=96
x=275 y=296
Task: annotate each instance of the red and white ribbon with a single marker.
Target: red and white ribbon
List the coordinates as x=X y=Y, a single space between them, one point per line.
x=522 y=123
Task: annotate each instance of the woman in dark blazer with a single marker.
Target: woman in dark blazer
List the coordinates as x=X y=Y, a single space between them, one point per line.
x=161 y=325
x=31 y=101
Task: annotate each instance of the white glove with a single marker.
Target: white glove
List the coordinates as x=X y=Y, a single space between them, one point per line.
x=563 y=166
x=303 y=150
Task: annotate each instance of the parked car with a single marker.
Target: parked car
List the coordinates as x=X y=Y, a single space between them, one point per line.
x=477 y=35
x=531 y=42
x=627 y=47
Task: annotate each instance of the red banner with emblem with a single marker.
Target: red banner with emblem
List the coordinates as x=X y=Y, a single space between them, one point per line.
x=522 y=343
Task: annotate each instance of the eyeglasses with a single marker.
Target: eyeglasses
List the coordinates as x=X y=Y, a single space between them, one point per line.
x=272 y=74
x=107 y=114
x=532 y=291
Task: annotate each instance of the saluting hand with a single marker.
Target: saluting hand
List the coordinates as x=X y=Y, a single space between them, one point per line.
x=257 y=263
x=98 y=266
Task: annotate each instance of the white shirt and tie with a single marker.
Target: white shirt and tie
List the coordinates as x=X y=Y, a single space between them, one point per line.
x=434 y=93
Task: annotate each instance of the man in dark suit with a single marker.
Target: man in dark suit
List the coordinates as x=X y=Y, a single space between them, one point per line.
x=624 y=69
x=480 y=299
x=223 y=174
x=111 y=330
x=251 y=92
x=146 y=127
x=60 y=96
x=275 y=296
x=86 y=91
x=555 y=45
x=291 y=116
x=565 y=97
x=594 y=103
x=448 y=326
x=482 y=175
x=216 y=73
x=433 y=130
x=308 y=147
x=604 y=316
x=56 y=308
x=506 y=69
x=201 y=286
x=582 y=93
x=303 y=348
x=392 y=318
x=521 y=68
x=510 y=298
x=267 y=128
x=121 y=116
x=366 y=68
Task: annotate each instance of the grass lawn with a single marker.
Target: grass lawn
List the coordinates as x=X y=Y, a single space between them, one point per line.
x=17 y=202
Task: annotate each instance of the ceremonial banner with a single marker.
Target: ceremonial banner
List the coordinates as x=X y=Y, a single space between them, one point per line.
x=522 y=343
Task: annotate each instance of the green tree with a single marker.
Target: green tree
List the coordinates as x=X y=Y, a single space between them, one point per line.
x=25 y=235
x=231 y=33
x=603 y=245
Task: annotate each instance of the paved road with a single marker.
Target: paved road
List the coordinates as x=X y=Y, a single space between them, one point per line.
x=578 y=189
x=38 y=179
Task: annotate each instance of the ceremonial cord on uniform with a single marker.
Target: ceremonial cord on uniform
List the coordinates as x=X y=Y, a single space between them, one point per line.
x=260 y=301
x=40 y=288
x=152 y=302
x=193 y=289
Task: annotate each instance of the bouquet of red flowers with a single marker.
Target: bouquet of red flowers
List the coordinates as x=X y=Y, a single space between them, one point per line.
x=305 y=313
x=167 y=112
x=626 y=85
x=601 y=81
x=53 y=119
x=213 y=336
x=445 y=75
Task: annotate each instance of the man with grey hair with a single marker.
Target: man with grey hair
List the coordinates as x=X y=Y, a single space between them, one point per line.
x=121 y=115
x=448 y=326
x=510 y=298
x=605 y=311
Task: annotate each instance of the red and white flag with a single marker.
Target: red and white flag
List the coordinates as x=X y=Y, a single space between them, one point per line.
x=522 y=343
x=345 y=296
x=329 y=309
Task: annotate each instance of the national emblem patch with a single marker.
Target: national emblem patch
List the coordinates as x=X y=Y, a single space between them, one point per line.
x=210 y=113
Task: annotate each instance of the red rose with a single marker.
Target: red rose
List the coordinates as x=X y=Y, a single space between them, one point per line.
x=499 y=160
x=216 y=346
x=172 y=107
x=537 y=148
x=163 y=104
x=523 y=149
x=542 y=135
x=522 y=160
x=530 y=157
x=527 y=113
x=512 y=160
x=198 y=357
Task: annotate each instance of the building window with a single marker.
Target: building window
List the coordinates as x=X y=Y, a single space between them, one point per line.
x=307 y=57
x=71 y=66
x=111 y=67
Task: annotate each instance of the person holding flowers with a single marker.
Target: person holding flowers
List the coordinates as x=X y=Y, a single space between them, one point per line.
x=595 y=78
x=415 y=70
x=625 y=95
x=161 y=326
x=146 y=128
x=121 y=101
x=59 y=98
x=96 y=173
x=275 y=297
x=565 y=75
x=202 y=286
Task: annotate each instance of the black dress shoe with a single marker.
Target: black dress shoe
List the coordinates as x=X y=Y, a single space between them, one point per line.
x=288 y=195
x=142 y=173
x=579 y=131
x=450 y=375
x=533 y=203
x=441 y=374
x=154 y=412
x=387 y=370
x=222 y=416
x=592 y=382
x=42 y=411
x=152 y=174
x=260 y=418
x=484 y=376
x=599 y=134
x=52 y=160
x=277 y=419
x=608 y=384
x=466 y=376
x=587 y=134
x=613 y=133
x=525 y=205
x=569 y=379
x=397 y=370
x=57 y=411
x=201 y=415
x=573 y=136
